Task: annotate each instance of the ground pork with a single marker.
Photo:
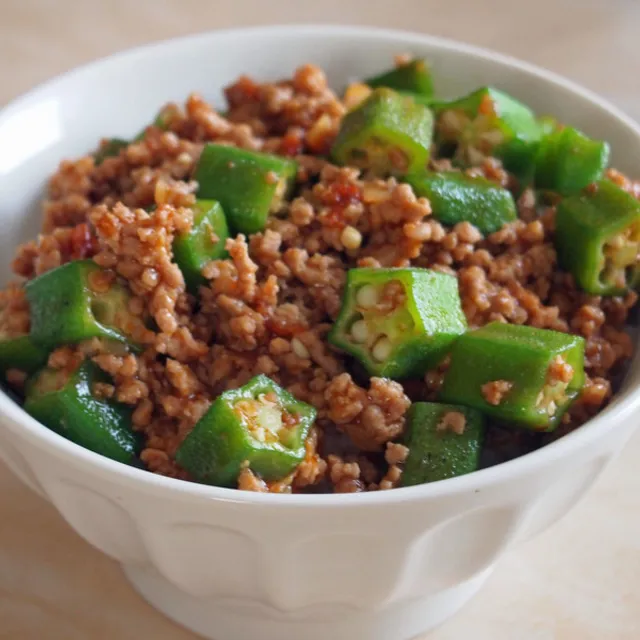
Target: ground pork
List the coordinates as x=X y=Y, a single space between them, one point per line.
x=370 y=418
x=269 y=306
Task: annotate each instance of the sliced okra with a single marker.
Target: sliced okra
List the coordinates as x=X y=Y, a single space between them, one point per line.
x=65 y=401
x=567 y=161
x=204 y=242
x=413 y=77
x=488 y=122
x=20 y=352
x=444 y=441
x=260 y=425
x=398 y=322
x=77 y=301
x=387 y=134
x=249 y=185
x=598 y=238
x=517 y=374
x=456 y=197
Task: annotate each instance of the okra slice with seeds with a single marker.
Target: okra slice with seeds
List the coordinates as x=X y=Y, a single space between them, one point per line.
x=488 y=122
x=66 y=402
x=598 y=238
x=387 y=134
x=249 y=185
x=204 y=242
x=456 y=197
x=398 y=322
x=567 y=161
x=517 y=374
x=77 y=301
x=259 y=424
x=444 y=441
x=413 y=77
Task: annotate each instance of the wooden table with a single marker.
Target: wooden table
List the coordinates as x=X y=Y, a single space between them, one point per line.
x=578 y=581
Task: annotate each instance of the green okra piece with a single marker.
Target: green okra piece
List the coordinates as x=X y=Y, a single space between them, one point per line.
x=78 y=301
x=20 y=352
x=398 y=322
x=517 y=374
x=597 y=238
x=548 y=125
x=204 y=242
x=65 y=402
x=489 y=122
x=567 y=161
x=260 y=425
x=444 y=441
x=456 y=197
x=413 y=77
x=388 y=134
x=249 y=185
x=416 y=97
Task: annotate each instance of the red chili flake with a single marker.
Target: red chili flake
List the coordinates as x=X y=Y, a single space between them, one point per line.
x=333 y=218
x=83 y=242
x=338 y=197
x=342 y=194
x=291 y=145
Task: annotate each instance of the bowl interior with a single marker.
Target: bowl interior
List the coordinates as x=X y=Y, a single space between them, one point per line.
x=66 y=117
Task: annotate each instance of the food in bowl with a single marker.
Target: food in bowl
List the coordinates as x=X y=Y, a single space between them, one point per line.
x=309 y=293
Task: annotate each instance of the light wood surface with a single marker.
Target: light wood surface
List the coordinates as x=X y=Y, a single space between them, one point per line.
x=578 y=581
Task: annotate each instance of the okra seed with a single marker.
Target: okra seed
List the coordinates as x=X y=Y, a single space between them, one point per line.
x=351 y=238
x=360 y=331
x=299 y=349
x=475 y=156
x=452 y=122
x=617 y=242
x=367 y=296
x=184 y=159
x=258 y=433
x=493 y=137
x=382 y=349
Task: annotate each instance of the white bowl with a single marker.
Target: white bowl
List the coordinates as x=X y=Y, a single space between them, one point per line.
x=232 y=565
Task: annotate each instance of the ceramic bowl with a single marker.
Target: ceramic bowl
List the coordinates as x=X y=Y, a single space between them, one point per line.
x=232 y=565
